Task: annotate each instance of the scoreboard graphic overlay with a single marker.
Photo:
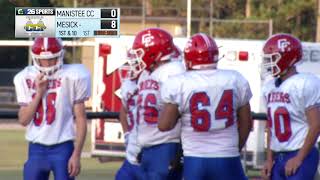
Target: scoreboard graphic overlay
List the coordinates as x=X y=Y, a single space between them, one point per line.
x=67 y=22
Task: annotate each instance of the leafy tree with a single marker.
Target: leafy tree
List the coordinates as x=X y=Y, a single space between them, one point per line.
x=289 y=16
x=7 y=26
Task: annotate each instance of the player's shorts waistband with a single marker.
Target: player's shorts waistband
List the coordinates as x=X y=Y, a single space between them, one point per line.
x=288 y=152
x=158 y=145
x=51 y=145
x=278 y=152
x=284 y=152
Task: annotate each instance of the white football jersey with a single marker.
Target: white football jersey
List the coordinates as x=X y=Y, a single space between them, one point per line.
x=286 y=106
x=54 y=120
x=208 y=101
x=149 y=105
x=129 y=92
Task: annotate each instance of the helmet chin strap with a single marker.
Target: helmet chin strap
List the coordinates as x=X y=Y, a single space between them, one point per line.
x=283 y=73
x=280 y=77
x=287 y=71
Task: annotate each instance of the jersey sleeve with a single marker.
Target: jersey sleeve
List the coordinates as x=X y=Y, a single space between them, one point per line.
x=311 y=93
x=124 y=92
x=171 y=69
x=123 y=98
x=82 y=88
x=264 y=98
x=263 y=102
x=170 y=91
x=21 y=89
x=244 y=92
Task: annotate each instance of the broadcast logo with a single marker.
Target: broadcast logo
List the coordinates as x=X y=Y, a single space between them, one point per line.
x=20 y=11
x=30 y=26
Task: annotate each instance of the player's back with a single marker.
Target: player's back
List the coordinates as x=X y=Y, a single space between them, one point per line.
x=149 y=105
x=209 y=100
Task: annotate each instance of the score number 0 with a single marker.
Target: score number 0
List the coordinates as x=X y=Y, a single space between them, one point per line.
x=113 y=13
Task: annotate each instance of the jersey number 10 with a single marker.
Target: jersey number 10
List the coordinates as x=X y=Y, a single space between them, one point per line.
x=282 y=130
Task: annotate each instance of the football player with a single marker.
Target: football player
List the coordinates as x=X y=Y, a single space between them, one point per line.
x=292 y=101
x=130 y=169
x=51 y=96
x=154 y=48
x=214 y=110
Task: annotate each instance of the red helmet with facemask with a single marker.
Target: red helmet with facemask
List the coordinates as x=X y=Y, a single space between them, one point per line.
x=47 y=48
x=280 y=52
x=153 y=45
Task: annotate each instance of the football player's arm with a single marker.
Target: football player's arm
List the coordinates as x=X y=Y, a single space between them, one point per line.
x=124 y=123
x=243 y=109
x=171 y=99
x=27 y=112
x=168 y=117
x=313 y=117
x=81 y=131
x=245 y=124
x=269 y=151
x=123 y=119
x=311 y=101
x=266 y=170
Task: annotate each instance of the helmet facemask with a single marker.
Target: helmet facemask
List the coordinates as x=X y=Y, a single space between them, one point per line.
x=269 y=65
x=134 y=65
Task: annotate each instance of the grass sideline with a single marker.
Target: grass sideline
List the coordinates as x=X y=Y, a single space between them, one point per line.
x=13 y=148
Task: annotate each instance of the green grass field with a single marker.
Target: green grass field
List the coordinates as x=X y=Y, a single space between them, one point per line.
x=13 y=153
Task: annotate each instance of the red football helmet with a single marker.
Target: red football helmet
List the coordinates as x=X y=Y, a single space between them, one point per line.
x=153 y=45
x=49 y=49
x=280 y=52
x=201 y=51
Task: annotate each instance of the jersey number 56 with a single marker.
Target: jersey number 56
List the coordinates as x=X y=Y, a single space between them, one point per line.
x=50 y=112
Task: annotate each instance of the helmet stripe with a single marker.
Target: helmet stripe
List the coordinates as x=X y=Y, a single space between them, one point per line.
x=206 y=39
x=45 y=43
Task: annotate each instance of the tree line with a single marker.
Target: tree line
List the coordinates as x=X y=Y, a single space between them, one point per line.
x=288 y=16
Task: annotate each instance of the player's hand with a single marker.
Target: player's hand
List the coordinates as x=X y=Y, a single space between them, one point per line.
x=41 y=84
x=292 y=166
x=74 y=165
x=266 y=170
